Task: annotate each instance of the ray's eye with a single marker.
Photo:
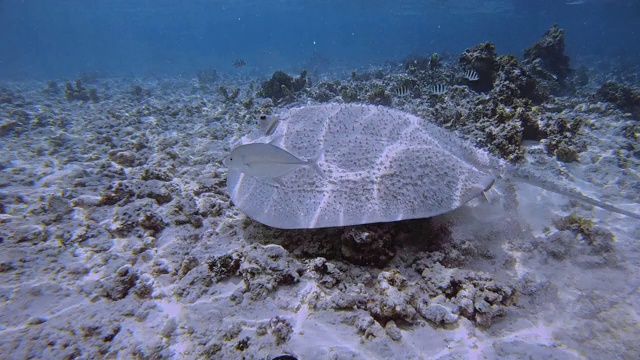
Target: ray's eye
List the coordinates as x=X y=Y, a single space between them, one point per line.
x=263 y=117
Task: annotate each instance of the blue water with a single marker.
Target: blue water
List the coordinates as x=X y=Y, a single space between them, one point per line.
x=47 y=39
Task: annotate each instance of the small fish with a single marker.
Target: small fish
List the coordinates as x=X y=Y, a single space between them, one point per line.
x=439 y=89
x=471 y=75
x=239 y=63
x=285 y=357
x=268 y=124
x=268 y=161
x=402 y=91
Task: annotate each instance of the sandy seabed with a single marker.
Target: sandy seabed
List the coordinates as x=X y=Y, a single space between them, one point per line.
x=119 y=240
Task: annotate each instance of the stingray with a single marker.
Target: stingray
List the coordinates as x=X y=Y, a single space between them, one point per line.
x=378 y=165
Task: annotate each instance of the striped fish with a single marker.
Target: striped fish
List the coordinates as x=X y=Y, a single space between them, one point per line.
x=471 y=75
x=402 y=91
x=438 y=89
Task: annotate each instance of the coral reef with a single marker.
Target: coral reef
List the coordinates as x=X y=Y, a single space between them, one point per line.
x=325 y=91
x=379 y=96
x=482 y=59
x=114 y=217
x=79 y=92
x=561 y=137
x=511 y=113
x=624 y=97
x=415 y=62
x=550 y=51
x=282 y=87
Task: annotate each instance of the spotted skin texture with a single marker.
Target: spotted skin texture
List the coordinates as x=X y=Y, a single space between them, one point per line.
x=380 y=165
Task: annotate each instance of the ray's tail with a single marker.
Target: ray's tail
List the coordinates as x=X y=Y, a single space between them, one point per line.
x=529 y=177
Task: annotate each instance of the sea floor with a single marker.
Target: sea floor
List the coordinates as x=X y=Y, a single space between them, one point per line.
x=119 y=241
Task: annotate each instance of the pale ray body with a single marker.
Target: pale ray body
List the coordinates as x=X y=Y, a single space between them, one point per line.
x=378 y=165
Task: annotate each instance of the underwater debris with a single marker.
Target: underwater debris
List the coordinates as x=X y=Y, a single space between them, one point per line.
x=438 y=89
x=238 y=63
x=471 y=75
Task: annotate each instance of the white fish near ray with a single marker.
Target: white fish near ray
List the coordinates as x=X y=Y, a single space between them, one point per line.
x=268 y=161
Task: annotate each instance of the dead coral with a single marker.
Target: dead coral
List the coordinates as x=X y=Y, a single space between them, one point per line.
x=379 y=96
x=441 y=296
x=228 y=96
x=624 y=97
x=550 y=50
x=224 y=266
x=598 y=238
x=325 y=91
x=482 y=59
x=561 y=137
x=281 y=329
x=263 y=269
x=80 y=93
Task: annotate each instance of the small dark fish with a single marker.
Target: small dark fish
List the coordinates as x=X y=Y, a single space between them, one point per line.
x=239 y=63
x=402 y=91
x=285 y=357
x=439 y=89
x=471 y=75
